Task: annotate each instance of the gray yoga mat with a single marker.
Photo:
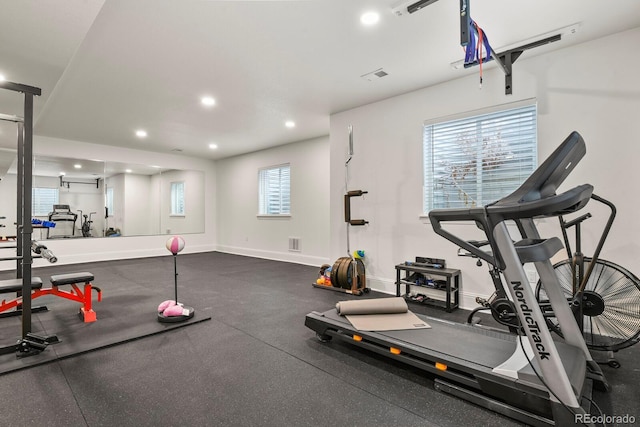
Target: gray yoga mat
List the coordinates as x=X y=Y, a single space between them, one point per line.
x=380 y=314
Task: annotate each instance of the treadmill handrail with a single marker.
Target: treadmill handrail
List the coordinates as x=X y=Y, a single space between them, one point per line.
x=487 y=218
x=556 y=205
x=478 y=215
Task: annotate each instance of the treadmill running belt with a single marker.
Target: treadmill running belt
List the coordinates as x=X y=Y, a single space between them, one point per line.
x=483 y=347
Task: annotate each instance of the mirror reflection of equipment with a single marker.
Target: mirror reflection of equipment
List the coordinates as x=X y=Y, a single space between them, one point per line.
x=146 y=213
x=172 y=311
x=62 y=215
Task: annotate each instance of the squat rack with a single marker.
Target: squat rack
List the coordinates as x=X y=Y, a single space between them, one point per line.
x=24 y=229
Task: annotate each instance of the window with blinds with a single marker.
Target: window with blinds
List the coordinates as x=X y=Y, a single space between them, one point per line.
x=177 y=198
x=109 y=201
x=42 y=200
x=474 y=161
x=275 y=190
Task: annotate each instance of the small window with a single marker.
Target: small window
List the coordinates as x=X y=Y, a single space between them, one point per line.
x=473 y=161
x=109 y=201
x=177 y=198
x=274 y=190
x=43 y=200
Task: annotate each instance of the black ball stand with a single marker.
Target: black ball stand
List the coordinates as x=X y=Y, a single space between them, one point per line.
x=187 y=312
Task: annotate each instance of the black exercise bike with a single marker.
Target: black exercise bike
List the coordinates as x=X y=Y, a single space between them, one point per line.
x=604 y=297
x=86 y=224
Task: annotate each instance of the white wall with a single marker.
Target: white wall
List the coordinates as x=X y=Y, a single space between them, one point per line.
x=240 y=230
x=137 y=212
x=70 y=251
x=134 y=193
x=155 y=199
x=192 y=220
x=592 y=88
x=9 y=209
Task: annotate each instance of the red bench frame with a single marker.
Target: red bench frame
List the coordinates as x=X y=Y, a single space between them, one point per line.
x=83 y=296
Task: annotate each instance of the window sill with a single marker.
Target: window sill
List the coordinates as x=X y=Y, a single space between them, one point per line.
x=177 y=216
x=279 y=216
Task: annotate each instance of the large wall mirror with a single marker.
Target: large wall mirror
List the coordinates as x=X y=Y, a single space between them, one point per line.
x=149 y=200
x=92 y=198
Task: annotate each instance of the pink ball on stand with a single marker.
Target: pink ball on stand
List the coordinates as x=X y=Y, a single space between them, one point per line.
x=175 y=244
x=171 y=311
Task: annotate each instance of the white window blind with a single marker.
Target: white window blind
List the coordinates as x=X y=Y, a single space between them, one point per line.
x=177 y=198
x=275 y=190
x=43 y=200
x=109 y=200
x=473 y=161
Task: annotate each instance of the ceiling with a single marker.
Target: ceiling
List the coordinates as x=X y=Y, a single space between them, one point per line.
x=109 y=68
x=86 y=168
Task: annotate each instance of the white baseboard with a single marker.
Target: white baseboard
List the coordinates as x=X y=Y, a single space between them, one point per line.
x=294 y=257
x=107 y=256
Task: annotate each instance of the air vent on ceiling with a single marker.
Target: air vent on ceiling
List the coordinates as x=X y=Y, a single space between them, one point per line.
x=177 y=150
x=375 y=75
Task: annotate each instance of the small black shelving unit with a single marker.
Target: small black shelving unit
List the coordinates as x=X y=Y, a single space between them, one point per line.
x=450 y=277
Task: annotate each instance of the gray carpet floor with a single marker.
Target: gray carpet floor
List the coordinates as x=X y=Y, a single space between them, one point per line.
x=253 y=364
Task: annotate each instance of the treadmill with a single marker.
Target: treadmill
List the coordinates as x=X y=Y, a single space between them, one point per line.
x=526 y=376
x=62 y=214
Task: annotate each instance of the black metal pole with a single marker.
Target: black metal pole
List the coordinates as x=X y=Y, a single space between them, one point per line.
x=603 y=237
x=175 y=275
x=24 y=184
x=26 y=214
x=19 y=201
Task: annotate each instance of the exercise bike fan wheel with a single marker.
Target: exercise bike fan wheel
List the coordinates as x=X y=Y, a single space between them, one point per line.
x=611 y=304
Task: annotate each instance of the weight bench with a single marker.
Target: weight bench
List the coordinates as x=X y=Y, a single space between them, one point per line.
x=83 y=296
x=11 y=286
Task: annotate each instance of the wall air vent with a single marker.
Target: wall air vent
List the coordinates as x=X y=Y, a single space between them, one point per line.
x=294 y=244
x=374 y=75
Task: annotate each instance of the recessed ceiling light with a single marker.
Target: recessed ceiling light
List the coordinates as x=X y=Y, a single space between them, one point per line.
x=141 y=133
x=62 y=174
x=208 y=101
x=127 y=170
x=213 y=146
x=290 y=124
x=370 y=18
x=2 y=78
x=77 y=166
